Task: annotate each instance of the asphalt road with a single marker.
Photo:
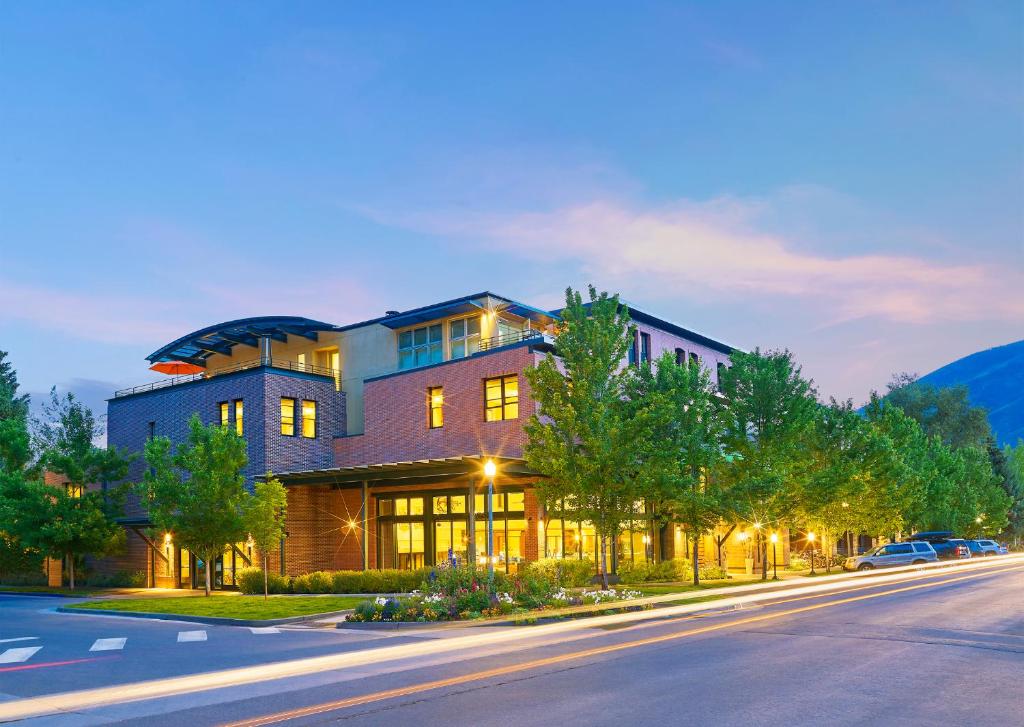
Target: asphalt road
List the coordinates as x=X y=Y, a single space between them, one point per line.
x=945 y=650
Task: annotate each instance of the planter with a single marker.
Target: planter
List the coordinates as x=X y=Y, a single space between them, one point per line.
x=748 y=566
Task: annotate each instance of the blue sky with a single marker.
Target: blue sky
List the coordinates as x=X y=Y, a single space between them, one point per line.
x=845 y=181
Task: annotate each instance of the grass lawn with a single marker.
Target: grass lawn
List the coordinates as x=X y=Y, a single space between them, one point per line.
x=246 y=607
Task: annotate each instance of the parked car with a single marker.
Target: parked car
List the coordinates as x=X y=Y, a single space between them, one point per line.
x=983 y=547
x=1004 y=549
x=946 y=546
x=916 y=552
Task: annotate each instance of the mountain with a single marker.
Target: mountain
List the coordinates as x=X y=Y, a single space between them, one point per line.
x=995 y=380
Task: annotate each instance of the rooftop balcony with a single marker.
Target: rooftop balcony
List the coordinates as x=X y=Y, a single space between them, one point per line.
x=280 y=364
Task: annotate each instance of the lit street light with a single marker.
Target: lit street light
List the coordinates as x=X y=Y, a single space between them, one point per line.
x=775 y=562
x=489 y=470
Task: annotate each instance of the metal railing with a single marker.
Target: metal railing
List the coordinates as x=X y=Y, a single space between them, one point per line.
x=276 y=363
x=510 y=338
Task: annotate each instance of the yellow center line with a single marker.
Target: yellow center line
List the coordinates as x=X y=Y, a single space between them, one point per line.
x=586 y=653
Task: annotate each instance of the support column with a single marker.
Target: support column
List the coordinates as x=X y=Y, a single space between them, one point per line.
x=471 y=521
x=266 y=355
x=366 y=525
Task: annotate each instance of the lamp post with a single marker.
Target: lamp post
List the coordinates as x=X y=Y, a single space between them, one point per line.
x=489 y=470
x=775 y=562
x=810 y=539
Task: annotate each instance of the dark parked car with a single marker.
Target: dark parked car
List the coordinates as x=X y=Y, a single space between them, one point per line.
x=946 y=546
x=983 y=547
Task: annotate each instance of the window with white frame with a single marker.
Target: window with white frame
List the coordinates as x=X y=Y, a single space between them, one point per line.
x=420 y=346
x=464 y=336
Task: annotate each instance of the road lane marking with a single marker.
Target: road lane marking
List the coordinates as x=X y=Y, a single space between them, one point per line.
x=20 y=638
x=575 y=656
x=184 y=636
x=265 y=629
x=45 y=664
x=231 y=678
x=15 y=656
x=108 y=644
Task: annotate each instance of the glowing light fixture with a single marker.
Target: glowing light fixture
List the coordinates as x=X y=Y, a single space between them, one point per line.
x=775 y=537
x=490 y=469
x=810 y=537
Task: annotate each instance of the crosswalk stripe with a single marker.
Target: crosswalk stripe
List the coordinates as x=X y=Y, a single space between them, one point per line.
x=14 y=656
x=20 y=638
x=191 y=636
x=265 y=629
x=108 y=644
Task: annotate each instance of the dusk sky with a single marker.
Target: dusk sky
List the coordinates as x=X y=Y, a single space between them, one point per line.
x=846 y=180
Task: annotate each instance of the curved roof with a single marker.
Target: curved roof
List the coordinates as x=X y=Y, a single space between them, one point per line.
x=199 y=345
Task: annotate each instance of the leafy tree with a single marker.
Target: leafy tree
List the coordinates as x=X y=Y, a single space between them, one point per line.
x=770 y=414
x=588 y=439
x=264 y=519
x=14 y=433
x=1013 y=459
x=686 y=444
x=945 y=412
x=198 y=491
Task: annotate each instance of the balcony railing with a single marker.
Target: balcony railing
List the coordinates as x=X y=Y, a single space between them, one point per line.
x=509 y=338
x=276 y=363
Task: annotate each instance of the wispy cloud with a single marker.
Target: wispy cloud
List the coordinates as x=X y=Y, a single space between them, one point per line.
x=702 y=249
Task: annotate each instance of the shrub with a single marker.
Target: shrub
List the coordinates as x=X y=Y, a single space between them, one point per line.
x=713 y=573
x=378 y=581
x=667 y=570
x=451 y=581
x=564 y=572
x=797 y=563
x=118 y=579
x=250 y=582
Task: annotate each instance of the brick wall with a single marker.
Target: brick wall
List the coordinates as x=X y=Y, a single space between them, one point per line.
x=396 y=412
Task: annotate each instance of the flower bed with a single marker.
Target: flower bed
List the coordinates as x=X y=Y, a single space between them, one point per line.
x=458 y=594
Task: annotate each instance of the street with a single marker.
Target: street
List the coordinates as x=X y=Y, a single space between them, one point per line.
x=944 y=647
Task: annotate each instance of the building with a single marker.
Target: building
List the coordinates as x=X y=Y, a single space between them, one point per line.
x=380 y=430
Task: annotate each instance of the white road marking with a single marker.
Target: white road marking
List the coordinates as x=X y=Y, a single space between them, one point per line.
x=191 y=636
x=108 y=645
x=20 y=638
x=265 y=629
x=14 y=656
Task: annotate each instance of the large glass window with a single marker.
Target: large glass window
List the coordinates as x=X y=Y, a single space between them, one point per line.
x=464 y=336
x=435 y=407
x=308 y=418
x=225 y=413
x=239 y=417
x=501 y=398
x=288 y=417
x=420 y=346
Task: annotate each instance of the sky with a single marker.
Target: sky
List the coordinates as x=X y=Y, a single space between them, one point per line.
x=845 y=181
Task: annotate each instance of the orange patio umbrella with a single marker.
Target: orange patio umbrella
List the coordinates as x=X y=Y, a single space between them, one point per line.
x=176 y=368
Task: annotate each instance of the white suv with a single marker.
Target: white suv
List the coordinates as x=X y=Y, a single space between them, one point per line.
x=916 y=552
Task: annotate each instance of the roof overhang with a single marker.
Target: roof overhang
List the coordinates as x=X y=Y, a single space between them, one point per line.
x=477 y=303
x=423 y=471
x=199 y=345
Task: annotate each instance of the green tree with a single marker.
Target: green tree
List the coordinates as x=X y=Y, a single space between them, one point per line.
x=15 y=449
x=944 y=412
x=686 y=445
x=770 y=414
x=197 y=491
x=264 y=519
x=588 y=439
x=1013 y=458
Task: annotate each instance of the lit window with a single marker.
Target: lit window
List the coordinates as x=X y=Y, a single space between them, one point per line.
x=308 y=418
x=501 y=398
x=464 y=336
x=225 y=417
x=441 y=505
x=435 y=404
x=301 y=359
x=73 y=490
x=288 y=417
x=239 y=416
x=420 y=346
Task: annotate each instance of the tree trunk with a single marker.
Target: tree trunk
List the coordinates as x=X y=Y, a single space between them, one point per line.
x=604 y=561
x=696 y=563
x=209 y=567
x=764 y=558
x=71 y=571
x=266 y=578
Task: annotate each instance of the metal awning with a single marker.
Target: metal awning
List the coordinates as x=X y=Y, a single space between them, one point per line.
x=199 y=345
x=413 y=472
x=477 y=303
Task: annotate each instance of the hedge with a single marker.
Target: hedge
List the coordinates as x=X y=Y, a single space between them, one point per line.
x=250 y=581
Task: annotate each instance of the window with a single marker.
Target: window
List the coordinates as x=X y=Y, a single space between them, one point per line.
x=435 y=407
x=420 y=346
x=308 y=418
x=464 y=336
x=288 y=417
x=74 y=491
x=632 y=354
x=900 y=549
x=225 y=417
x=680 y=357
x=501 y=398
x=645 y=347
x=694 y=359
x=239 y=417
x=301 y=360
x=152 y=430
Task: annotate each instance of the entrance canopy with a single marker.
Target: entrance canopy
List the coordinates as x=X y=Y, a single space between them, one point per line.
x=421 y=471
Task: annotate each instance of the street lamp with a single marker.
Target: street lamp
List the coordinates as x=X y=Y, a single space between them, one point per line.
x=489 y=471
x=810 y=539
x=775 y=562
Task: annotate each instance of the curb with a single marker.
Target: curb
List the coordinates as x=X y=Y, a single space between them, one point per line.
x=211 y=620
x=43 y=594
